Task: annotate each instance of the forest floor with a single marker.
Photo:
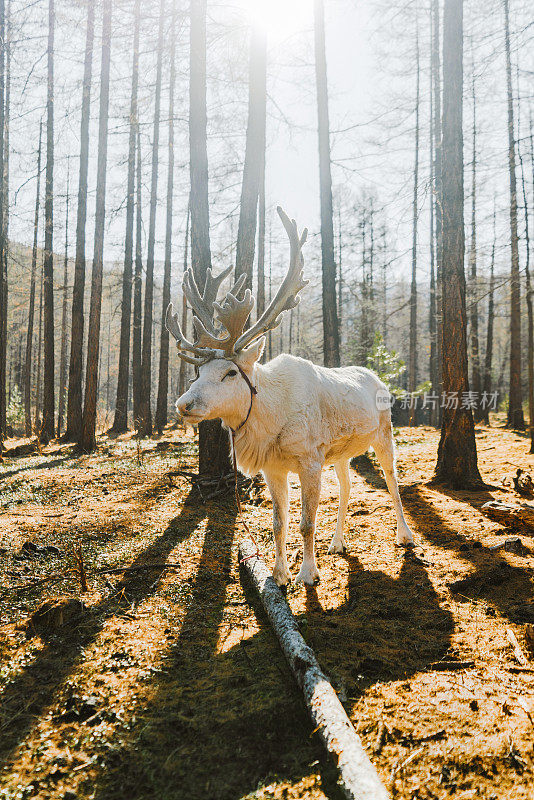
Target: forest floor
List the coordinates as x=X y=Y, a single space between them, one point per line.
x=169 y=684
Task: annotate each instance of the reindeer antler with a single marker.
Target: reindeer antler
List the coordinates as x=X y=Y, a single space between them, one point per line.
x=227 y=338
x=286 y=297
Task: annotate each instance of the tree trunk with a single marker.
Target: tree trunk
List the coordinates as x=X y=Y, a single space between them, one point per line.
x=457 y=456
x=38 y=387
x=260 y=297
x=214 y=454
x=145 y=410
x=48 y=429
x=473 y=300
x=5 y=184
x=138 y=290
x=330 y=320
x=183 y=364
x=88 y=434
x=528 y=287
x=489 y=332
x=515 y=408
x=3 y=274
x=412 y=362
x=254 y=154
x=63 y=350
x=74 y=395
x=438 y=191
x=31 y=310
x=163 y=378
x=433 y=373
x=120 y=423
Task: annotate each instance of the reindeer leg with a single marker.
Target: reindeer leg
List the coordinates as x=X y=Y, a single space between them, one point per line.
x=310 y=481
x=338 y=544
x=384 y=447
x=277 y=483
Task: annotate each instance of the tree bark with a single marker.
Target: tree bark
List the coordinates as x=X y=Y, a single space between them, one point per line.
x=515 y=408
x=457 y=455
x=488 y=357
x=145 y=410
x=74 y=394
x=412 y=362
x=528 y=287
x=88 y=433
x=260 y=296
x=214 y=453
x=254 y=154
x=3 y=274
x=433 y=372
x=48 y=429
x=31 y=309
x=163 y=377
x=138 y=289
x=330 y=320
x=437 y=190
x=38 y=387
x=473 y=300
x=63 y=349
x=120 y=422
x=183 y=364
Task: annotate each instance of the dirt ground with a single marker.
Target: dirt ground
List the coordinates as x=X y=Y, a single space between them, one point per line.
x=168 y=683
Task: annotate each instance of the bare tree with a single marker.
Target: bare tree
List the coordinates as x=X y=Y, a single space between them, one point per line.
x=145 y=410
x=488 y=357
x=254 y=154
x=88 y=434
x=330 y=320
x=74 y=395
x=412 y=364
x=63 y=349
x=473 y=298
x=3 y=274
x=138 y=288
x=515 y=408
x=213 y=451
x=163 y=378
x=528 y=288
x=457 y=455
x=48 y=431
x=183 y=364
x=120 y=423
x=437 y=188
x=31 y=308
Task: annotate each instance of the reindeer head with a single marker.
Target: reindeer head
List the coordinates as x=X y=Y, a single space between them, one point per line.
x=223 y=351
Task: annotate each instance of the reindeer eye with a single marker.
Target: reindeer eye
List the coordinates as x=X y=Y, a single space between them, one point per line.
x=230 y=374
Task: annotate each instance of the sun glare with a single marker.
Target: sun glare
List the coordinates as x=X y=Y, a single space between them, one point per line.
x=280 y=18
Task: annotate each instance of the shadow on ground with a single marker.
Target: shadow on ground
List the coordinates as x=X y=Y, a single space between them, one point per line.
x=26 y=698
x=222 y=725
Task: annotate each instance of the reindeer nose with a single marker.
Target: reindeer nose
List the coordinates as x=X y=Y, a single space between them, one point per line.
x=184 y=408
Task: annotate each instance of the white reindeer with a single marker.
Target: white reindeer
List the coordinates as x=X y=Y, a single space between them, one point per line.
x=288 y=415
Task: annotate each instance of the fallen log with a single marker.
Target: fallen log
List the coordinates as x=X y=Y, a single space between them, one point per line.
x=510 y=515
x=358 y=778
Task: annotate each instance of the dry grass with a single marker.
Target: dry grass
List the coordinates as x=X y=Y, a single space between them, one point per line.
x=171 y=685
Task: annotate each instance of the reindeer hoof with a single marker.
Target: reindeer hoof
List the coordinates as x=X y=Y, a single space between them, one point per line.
x=281 y=576
x=404 y=537
x=337 y=546
x=309 y=576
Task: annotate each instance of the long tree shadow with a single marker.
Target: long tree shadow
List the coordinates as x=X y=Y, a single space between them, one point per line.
x=222 y=724
x=25 y=698
x=507 y=590
x=55 y=462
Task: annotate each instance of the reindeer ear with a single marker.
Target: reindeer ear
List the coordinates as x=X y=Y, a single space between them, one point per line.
x=248 y=357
